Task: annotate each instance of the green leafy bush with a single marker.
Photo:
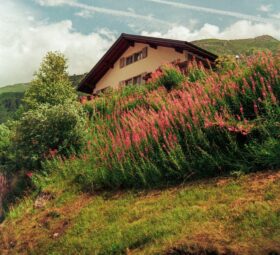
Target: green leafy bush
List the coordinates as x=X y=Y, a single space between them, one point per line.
x=171 y=78
x=45 y=132
x=5 y=144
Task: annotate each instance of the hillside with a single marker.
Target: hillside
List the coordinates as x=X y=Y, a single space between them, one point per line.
x=221 y=216
x=185 y=164
x=238 y=47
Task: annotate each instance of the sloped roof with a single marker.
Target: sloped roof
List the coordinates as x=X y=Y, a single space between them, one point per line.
x=88 y=84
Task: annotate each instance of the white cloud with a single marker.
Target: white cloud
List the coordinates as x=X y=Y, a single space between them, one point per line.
x=276 y=15
x=84 y=14
x=265 y=8
x=24 y=41
x=212 y=11
x=239 y=30
x=112 y=12
x=53 y=2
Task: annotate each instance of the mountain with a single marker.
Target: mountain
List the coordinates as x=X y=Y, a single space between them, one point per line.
x=239 y=47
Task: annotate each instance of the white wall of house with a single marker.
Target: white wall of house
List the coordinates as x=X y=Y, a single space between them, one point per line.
x=154 y=59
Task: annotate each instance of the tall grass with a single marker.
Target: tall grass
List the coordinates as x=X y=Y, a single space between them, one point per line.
x=213 y=123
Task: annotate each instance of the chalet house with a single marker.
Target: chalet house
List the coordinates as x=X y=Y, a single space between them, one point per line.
x=132 y=58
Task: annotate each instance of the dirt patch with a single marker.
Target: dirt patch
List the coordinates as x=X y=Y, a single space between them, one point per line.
x=46 y=224
x=261 y=180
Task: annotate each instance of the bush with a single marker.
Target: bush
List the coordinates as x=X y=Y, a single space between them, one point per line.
x=45 y=132
x=171 y=78
x=5 y=143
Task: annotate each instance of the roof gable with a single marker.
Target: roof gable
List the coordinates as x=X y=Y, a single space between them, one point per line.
x=122 y=44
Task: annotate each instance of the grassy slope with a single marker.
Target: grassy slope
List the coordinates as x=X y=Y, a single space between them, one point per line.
x=241 y=215
x=235 y=47
x=14 y=88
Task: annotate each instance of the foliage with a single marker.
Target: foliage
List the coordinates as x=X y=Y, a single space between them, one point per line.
x=5 y=144
x=47 y=131
x=169 y=77
x=9 y=104
x=218 y=123
x=226 y=63
x=53 y=123
x=51 y=84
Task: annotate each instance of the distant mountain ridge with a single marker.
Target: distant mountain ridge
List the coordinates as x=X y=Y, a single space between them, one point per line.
x=239 y=46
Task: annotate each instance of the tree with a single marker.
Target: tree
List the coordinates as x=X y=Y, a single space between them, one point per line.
x=51 y=84
x=53 y=121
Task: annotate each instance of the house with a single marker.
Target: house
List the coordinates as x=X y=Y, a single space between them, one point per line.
x=132 y=58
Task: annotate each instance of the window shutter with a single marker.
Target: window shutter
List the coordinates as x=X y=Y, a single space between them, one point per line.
x=143 y=77
x=121 y=84
x=122 y=62
x=145 y=52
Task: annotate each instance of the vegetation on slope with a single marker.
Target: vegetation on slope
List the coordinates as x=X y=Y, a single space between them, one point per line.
x=237 y=215
x=241 y=46
x=175 y=129
x=210 y=124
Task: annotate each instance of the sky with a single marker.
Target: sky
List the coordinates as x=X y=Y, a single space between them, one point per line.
x=84 y=29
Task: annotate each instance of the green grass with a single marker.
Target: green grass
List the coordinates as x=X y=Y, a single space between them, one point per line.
x=14 y=88
x=237 y=47
x=240 y=215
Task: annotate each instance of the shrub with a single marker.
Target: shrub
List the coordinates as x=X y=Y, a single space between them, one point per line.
x=225 y=63
x=171 y=77
x=4 y=145
x=45 y=132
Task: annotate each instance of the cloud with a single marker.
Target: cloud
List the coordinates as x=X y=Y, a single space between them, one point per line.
x=84 y=14
x=112 y=12
x=265 y=8
x=25 y=40
x=212 y=11
x=53 y=2
x=276 y=15
x=239 y=30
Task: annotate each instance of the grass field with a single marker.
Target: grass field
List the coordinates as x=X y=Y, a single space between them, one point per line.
x=236 y=215
x=14 y=88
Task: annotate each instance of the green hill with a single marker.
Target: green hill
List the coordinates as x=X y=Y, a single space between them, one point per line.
x=238 y=47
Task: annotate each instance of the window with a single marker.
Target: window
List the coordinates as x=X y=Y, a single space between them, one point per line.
x=134 y=81
x=134 y=57
x=129 y=82
x=129 y=60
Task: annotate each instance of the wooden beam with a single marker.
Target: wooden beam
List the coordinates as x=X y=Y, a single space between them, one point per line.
x=180 y=50
x=131 y=43
x=154 y=46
